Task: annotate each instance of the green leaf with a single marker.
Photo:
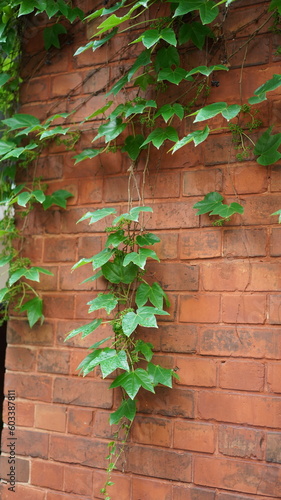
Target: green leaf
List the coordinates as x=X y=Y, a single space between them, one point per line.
x=197 y=137
x=147 y=239
x=132 y=146
x=85 y=329
x=139 y=108
x=278 y=213
x=119 y=360
x=143 y=81
x=267 y=148
x=160 y=375
x=27 y=6
x=96 y=43
x=140 y=258
x=4 y=77
x=51 y=35
x=133 y=215
x=142 y=60
x=111 y=129
x=150 y=37
x=167 y=57
x=97 y=215
x=195 y=32
x=169 y=36
x=231 y=111
x=92 y=278
x=58 y=198
x=31 y=274
x=23 y=198
x=102 y=257
x=145 y=348
x=110 y=23
x=157 y=295
x=3 y=293
x=169 y=110
x=144 y=316
x=127 y=409
x=116 y=273
x=115 y=239
x=159 y=135
x=106 y=301
x=174 y=76
x=39 y=195
x=5 y=260
x=226 y=211
x=186 y=6
x=34 y=308
x=269 y=85
x=131 y=382
x=208 y=12
x=130 y=321
x=99 y=111
x=210 y=201
x=142 y=294
x=205 y=70
x=53 y=131
x=87 y=154
x=210 y=111
x=21 y=120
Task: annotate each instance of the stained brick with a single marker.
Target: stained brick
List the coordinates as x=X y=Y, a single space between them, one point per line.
x=21 y=465
x=200 y=182
x=274 y=309
x=20 y=358
x=240 y=442
x=198 y=245
x=53 y=361
x=47 y=474
x=194 y=436
x=175 y=276
x=37 y=387
x=150 y=489
x=122 y=484
x=24 y=492
x=192 y=493
x=199 y=308
x=50 y=417
x=244 y=308
x=88 y=452
x=153 y=431
x=82 y=392
x=19 y=332
x=228 y=276
x=60 y=249
x=80 y=421
x=242 y=375
x=196 y=371
x=78 y=481
x=57 y=306
x=273 y=447
x=30 y=443
x=167 y=402
x=179 y=338
x=241 y=242
x=274 y=377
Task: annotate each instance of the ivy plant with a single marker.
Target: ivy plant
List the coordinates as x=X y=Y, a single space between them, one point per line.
x=131 y=300
x=212 y=204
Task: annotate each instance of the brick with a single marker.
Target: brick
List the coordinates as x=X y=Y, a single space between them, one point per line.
x=50 y=167
x=50 y=417
x=226 y=276
x=153 y=431
x=65 y=327
x=65 y=84
x=60 y=249
x=237 y=408
x=82 y=392
x=30 y=386
x=242 y=375
x=274 y=377
x=121 y=486
x=32 y=248
x=175 y=276
x=72 y=280
x=218 y=149
x=78 y=450
x=116 y=189
x=53 y=361
x=29 y=443
x=230 y=496
x=242 y=342
x=196 y=244
x=35 y=90
x=57 y=306
x=275 y=242
x=47 y=474
x=274 y=306
x=90 y=190
x=254 y=56
x=173 y=215
x=21 y=468
x=20 y=359
x=192 y=493
x=167 y=402
x=239 y=19
x=200 y=182
x=19 y=332
x=194 y=436
x=240 y=442
x=167 y=248
x=89 y=246
x=275 y=182
x=258 y=209
x=101 y=427
x=240 y=242
x=265 y=276
x=80 y=421
x=61 y=496
x=162 y=185
x=24 y=492
x=244 y=308
x=196 y=371
x=273 y=447
x=78 y=481
x=179 y=338
x=95 y=80
x=150 y=489
x=246 y=179
x=161 y=463
x=199 y=308
x=239 y=476
x=25 y=414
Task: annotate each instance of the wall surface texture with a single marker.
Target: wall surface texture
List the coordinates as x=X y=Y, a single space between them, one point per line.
x=217 y=434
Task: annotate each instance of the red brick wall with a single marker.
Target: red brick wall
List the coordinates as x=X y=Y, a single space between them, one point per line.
x=217 y=434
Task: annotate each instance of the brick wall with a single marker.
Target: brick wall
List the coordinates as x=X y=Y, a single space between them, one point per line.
x=217 y=434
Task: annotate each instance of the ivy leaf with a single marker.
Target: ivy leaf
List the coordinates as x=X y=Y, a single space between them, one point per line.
x=150 y=37
x=160 y=375
x=208 y=12
x=143 y=81
x=267 y=148
x=106 y=301
x=197 y=137
x=58 y=198
x=31 y=273
x=115 y=239
x=5 y=260
x=111 y=129
x=210 y=201
x=21 y=120
x=205 y=70
x=85 y=329
x=169 y=110
x=226 y=211
x=139 y=108
x=195 y=32
x=131 y=382
x=132 y=146
x=87 y=154
x=209 y=111
x=51 y=35
x=116 y=273
x=27 y=6
x=269 y=85
x=159 y=135
x=127 y=409
x=23 y=198
x=96 y=43
x=167 y=57
x=169 y=36
x=157 y=296
x=144 y=316
x=140 y=258
x=142 y=60
x=34 y=308
x=142 y=294
x=97 y=215
x=99 y=111
x=185 y=7
x=133 y=215
x=145 y=348
x=54 y=131
x=119 y=360
x=102 y=257
x=92 y=278
x=231 y=111
x=4 y=77
x=111 y=22
x=147 y=239
x=172 y=75
x=3 y=293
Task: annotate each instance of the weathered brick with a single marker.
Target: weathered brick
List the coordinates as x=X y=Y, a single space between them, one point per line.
x=78 y=481
x=122 y=483
x=24 y=492
x=274 y=377
x=242 y=375
x=274 y=309
x=50 y=417
x=196 y=244
x=59 y=306
x=80 y=421
x=63 y=84
x=239 y=476
x=265 y=276
x=162 y=463
x=60 y=249
x=242 y=342
x=196 y=371
x=19 y=332
x=20 y=359
x=200 y=182
x=192 y=493
x=240 y=442
x=21 y=465
x=199 y=308
x=153 y=431
x=173 y=215
x=167 y=402
x=150 y=489
x=226 y=276
x=53 y=361
x=194 y=436
x=238 y=408
x=89 y=246
x=30 y=443
x=178 y=338
x=241 y=242
x=175 y=276
x=47 y=474
x=167 y=248
x=162 y=185
x=78 y=450
x=90 y=190
x=37 y=387
x=244 y=308
x=82 y=392
x=273 y=447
